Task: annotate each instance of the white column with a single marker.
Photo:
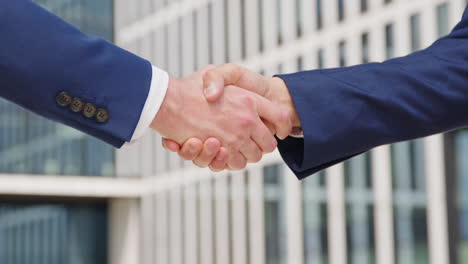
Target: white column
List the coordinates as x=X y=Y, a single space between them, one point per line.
x=219 y=32
x=293 y=214
x=202 y=52
x=309 y=16
x=269 y=24
x=256 y=215
x=222 y=220
x=382 y=180
x=124 y=231
x=288 y=22
x=436 y=200
x=162 y=232
x=148 y=229
x=336 y=215
x=176 y=226
x=234 y=30
x=251 y=27
x=238 y=218
x=207 y=226
x=190 y=225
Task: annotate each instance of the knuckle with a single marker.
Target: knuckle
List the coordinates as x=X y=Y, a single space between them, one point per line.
x=248 y=100
x=246 y=122
x=257 y=157
x=271 y=146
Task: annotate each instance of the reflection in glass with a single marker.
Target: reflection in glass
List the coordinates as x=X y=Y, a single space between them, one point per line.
x=365 y=48
x=389 y=41
x=442 y=20
x=461 y=187
x=315 y=218
x=342 y=53
x=30 y=144
x=275 y=227
x=415 y=31
x=410 y=205
x=53 y=234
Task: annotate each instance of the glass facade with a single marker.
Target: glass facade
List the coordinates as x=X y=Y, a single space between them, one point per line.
x=410 y=205
x=457 y=197
x=53 y=234
x=315 y=219
x=359 y=210
x=275 y=226
x=32 y=145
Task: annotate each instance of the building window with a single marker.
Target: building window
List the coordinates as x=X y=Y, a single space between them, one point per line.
x=442 y=20
x=341 y=10
x=320 y=59
x=410 y=204
x=279 y=20
x=342 y=53
x=365 y=48
x=50 y=233
x=456 y=153
x=315 y=219
x=415 y=31
x=300 y=63
x=389 y=42
x=364 y=6
x=275 y=226
x=298 y=18
x=319 y=16
x=359 y=210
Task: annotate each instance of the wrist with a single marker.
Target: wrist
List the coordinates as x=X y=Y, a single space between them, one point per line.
x=168 y=110
x=280 y=94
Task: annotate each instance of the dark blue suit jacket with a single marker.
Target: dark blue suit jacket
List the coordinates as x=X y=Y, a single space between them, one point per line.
x=347 y=111
x=41 y=56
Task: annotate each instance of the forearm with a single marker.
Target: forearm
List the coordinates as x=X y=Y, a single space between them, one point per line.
x=348 y=111
x=41 y=56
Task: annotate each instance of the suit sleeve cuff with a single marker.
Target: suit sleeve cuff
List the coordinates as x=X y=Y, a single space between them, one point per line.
x=156 y=95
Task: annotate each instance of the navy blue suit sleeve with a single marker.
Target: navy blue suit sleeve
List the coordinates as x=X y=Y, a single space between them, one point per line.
x=348 y=111
x=41 y=56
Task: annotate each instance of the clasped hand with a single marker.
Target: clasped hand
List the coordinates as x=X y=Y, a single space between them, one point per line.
x=225 y=117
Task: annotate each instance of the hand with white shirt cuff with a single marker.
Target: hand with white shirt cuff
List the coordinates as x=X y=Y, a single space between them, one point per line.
x=232 y=126
x=215 y=80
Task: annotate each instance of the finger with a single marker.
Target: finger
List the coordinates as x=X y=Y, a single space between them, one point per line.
x=219 y=163
x=236 y=161
x=210 y=149
x=263 y=137
x=275 y=114
x=270 y=126
x=191 y=149
x=230 y=74
x=170 y=145
x=251 y=150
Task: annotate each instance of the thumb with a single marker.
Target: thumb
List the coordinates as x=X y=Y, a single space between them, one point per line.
x=170 y=145
x=213 y=87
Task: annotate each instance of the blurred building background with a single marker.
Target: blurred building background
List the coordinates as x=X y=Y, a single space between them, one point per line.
x=67 y=198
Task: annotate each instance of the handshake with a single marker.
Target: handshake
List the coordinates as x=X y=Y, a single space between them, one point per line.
x=224 y=117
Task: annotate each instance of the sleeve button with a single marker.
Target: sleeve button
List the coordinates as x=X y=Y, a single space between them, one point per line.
x=76 y=105
x=63 y=99
x=89 y=110
x=102 y=115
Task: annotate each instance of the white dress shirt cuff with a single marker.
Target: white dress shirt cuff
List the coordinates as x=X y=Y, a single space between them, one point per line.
x=156 y=95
